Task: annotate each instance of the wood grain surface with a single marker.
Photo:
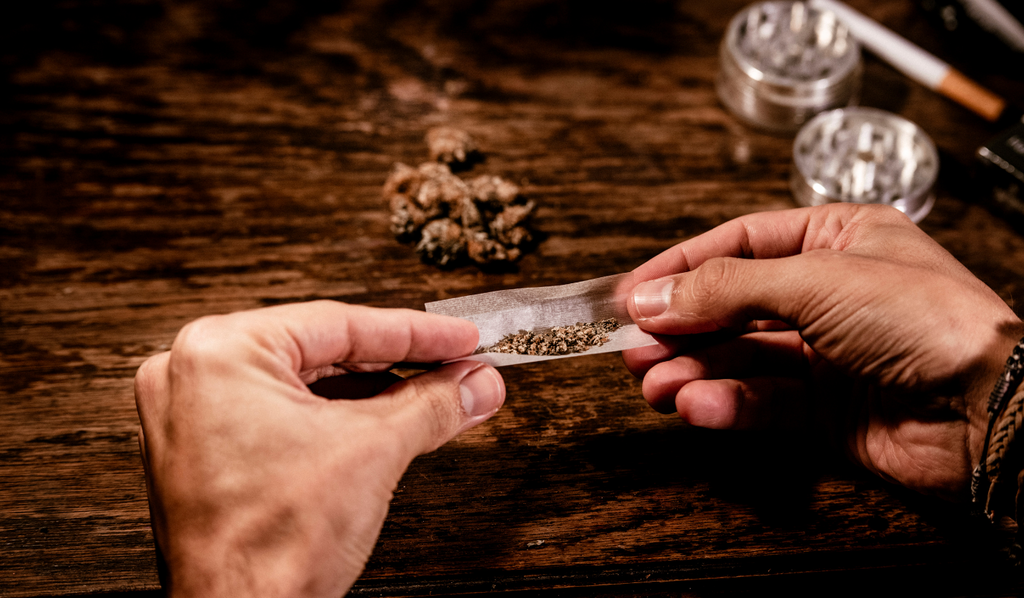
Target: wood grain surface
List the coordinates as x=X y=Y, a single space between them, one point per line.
x=164 y=160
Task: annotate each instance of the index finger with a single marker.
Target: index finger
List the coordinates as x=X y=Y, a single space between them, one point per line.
x=321 y=333
x=761 y=235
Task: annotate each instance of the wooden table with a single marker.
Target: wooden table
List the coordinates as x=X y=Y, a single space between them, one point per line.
x=161 y=161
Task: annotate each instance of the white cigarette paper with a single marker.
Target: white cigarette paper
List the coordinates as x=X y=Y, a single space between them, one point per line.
x=501 y=313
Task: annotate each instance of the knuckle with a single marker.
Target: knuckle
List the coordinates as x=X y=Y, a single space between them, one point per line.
x=885 y=213
x=711 y=279
x=147 y=378
x=437 y=414
x=443 y=418
x=202 y=341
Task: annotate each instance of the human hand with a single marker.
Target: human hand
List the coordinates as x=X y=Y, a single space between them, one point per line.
x=846 y=316
x=258 y=486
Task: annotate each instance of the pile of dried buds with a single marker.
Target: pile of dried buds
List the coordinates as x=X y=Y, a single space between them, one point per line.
x=483 y=220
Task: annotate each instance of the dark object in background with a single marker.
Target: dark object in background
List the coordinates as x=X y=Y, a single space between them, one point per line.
x=1002 y=170
x=987 y=44
x=973 y=36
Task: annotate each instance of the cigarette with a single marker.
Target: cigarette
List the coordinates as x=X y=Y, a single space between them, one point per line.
x=916 y=63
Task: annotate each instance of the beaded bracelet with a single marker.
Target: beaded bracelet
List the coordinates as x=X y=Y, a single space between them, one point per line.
x=994 y=498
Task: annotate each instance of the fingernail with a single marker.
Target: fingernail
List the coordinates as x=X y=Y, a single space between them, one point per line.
x=483 y=391
x=652 y=298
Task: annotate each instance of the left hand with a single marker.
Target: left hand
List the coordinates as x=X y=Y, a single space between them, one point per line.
x=260 y=487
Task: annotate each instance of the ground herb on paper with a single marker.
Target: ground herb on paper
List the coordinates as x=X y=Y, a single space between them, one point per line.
x=561 y=340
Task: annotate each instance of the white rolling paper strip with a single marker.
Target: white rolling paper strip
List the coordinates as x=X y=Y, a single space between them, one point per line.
x=500 y=313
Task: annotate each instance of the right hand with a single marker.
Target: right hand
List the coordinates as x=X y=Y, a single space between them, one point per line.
x=844 y=315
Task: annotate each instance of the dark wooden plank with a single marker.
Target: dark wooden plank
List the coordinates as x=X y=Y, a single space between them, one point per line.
x=164 y=161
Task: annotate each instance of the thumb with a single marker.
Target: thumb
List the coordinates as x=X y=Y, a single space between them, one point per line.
x=432 y=408
x=731 y=292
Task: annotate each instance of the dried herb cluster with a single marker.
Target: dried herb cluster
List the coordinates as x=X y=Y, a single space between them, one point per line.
x=451 y=146
x=484 y=220
x=561 y=340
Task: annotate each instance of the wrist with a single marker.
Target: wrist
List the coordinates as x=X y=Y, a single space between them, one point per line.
x=208 y=567
x=978 y=396
x=195 y=573
x=993 y=446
